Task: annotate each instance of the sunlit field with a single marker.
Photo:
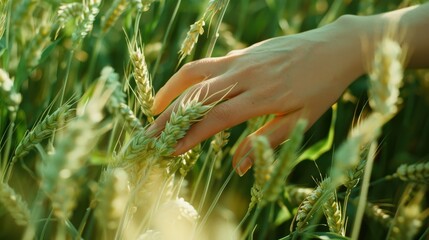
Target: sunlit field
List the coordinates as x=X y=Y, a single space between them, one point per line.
x=77 y=85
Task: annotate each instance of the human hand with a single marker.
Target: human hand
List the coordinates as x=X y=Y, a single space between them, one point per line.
x=297 y=76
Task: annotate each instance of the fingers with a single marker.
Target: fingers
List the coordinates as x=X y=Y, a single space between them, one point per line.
x=190 y=74
x=277 y=131
x=223 y=116
x=208 y=92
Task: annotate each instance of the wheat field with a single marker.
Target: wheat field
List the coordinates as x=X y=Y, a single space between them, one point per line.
x=77 y=84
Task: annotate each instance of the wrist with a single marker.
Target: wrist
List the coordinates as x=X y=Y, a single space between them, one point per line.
x=407 y=26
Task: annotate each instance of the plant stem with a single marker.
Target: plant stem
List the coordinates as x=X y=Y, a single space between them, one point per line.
x=251 y=224
x=207 y=185
x=215 y=34
x=214 y=202
x=8 y=146
x=69 y=62
x=364 y=191
x=200 y=176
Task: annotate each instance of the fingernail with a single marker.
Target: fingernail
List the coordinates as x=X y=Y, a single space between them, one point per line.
x=244 y=166
x=154 y=107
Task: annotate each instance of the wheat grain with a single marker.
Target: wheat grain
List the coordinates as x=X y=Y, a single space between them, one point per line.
x=8 y=95
x=188 y=112
x=296 y=195
x=146 y=4
x=14 y=204
x=113 y=13
x=116 y=103
x=219 y=141
x=182 y=216
x=131 y=121
x=41 y=131
x=142 y=78
x=418 y=172
x=140 y=146
x=189 y=159
x=305 y=210
x=286 y=161
x=353 y=176
x=63 y=171
x=112 y=197
x=213 y=7
x=84 y=27
x=191 y=39
x=407 y=221
x=69 y=11
x=378 y=214
x=264 y=158
x=347 y=157
x=333 y=215
x=40 y=41
x=386 y=77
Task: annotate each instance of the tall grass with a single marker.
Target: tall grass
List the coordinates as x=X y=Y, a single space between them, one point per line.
x=77 y=80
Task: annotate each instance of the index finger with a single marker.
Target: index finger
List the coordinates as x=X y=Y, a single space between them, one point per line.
x=190 y=74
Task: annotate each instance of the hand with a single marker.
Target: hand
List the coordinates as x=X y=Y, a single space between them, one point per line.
x=298 y=76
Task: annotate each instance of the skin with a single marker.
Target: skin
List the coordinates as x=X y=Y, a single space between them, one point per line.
x=296 y=76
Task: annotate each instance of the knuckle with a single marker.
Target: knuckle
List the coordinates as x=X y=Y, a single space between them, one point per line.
x=221 y=113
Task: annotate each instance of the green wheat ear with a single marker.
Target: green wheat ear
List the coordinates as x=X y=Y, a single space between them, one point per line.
x=14 y=204
x=191 y=109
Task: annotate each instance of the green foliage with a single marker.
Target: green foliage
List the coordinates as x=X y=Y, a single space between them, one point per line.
x=55 y=62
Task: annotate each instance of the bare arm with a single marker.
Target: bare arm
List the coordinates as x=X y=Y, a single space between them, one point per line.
x=297 y=76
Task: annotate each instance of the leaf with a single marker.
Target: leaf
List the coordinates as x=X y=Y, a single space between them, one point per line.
x=48 y=50
x=2 y=47
x=21 y=72
x=283 y=216
x=324 y=145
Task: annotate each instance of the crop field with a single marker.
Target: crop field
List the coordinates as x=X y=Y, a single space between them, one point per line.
x=77 y=86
